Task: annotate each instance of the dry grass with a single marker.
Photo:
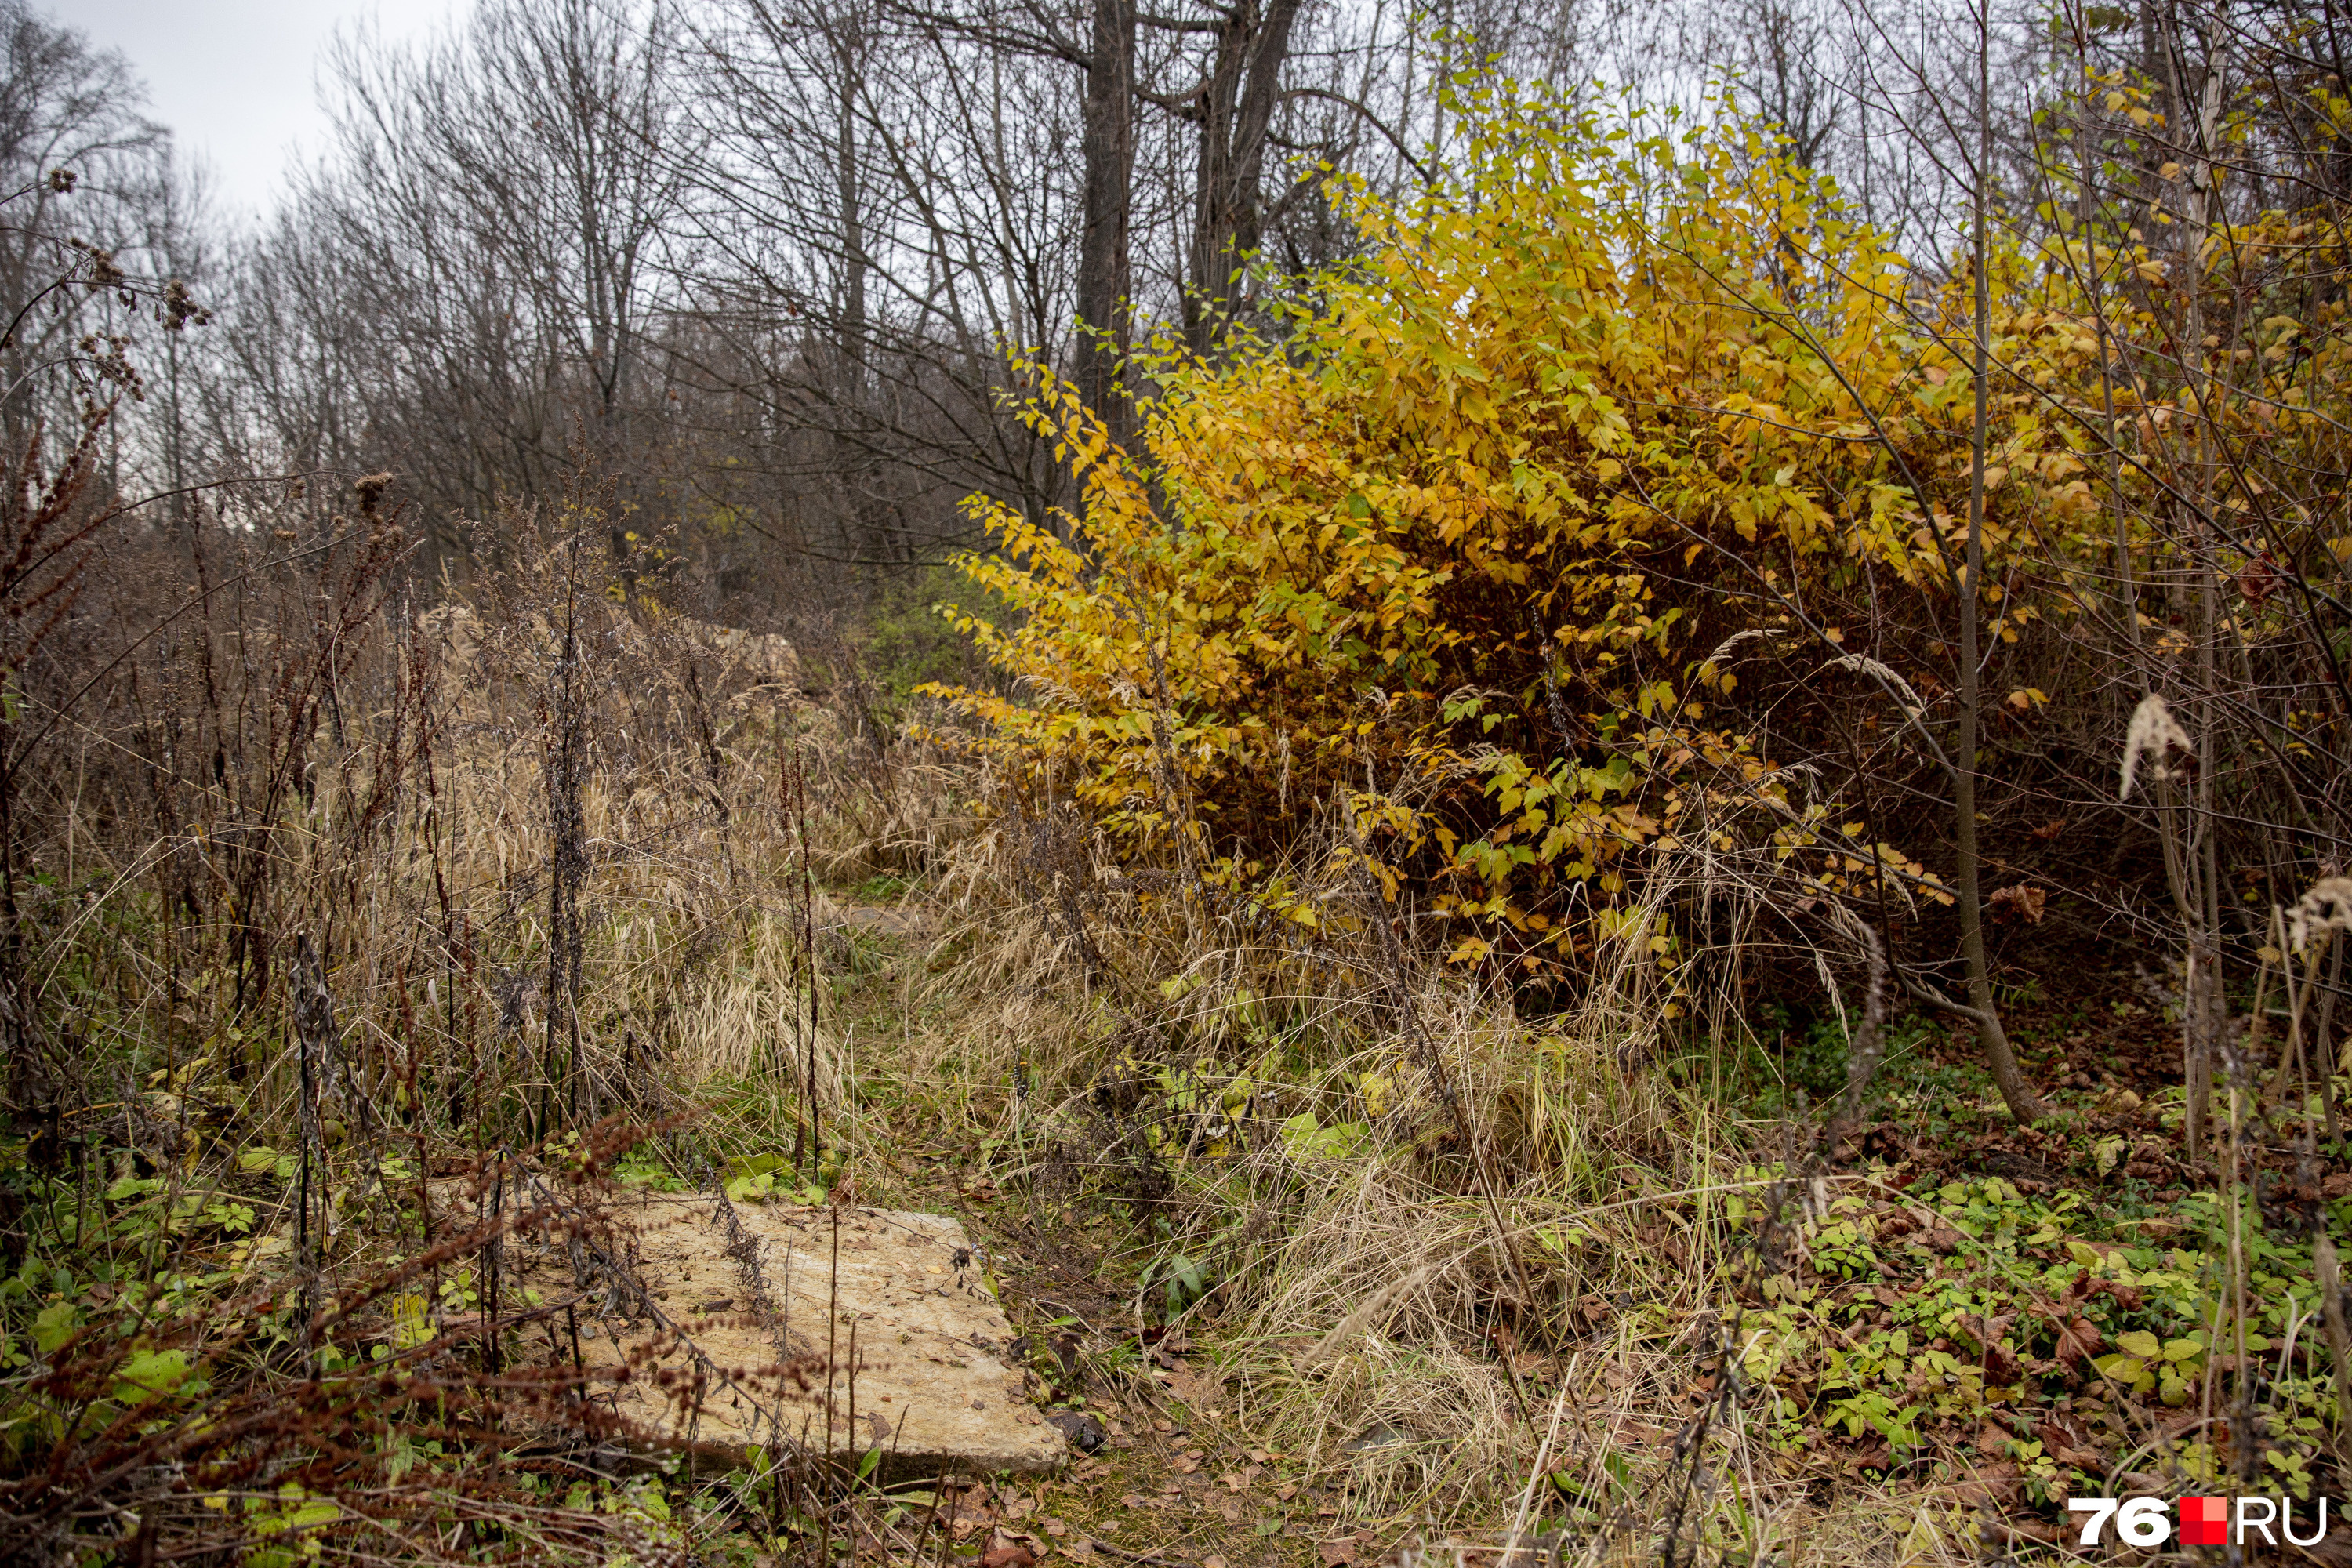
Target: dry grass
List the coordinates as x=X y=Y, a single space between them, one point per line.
x=1371 y=1317
x=1443 y=1235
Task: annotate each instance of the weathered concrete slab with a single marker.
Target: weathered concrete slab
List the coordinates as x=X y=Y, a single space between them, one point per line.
x=841 y=1331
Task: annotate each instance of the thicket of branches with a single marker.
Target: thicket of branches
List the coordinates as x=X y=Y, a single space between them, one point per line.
x=782 y=258
x=1692 y=502
x=787 y=270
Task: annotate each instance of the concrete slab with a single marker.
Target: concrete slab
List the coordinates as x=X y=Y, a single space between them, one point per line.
x=841 y=1331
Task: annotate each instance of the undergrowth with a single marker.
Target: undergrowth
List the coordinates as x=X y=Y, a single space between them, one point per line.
x=369 y=946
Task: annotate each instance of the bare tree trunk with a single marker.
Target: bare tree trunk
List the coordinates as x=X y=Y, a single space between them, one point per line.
x=2205 y=999
x=852 y=37
x=1235 y=105
x=1104 y=268
x=2015 y=1093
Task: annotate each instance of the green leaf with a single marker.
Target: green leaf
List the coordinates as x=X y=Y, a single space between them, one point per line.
x=54 y=1325
x=1309 y=1140
x=149 y=1374
x=751 y=1189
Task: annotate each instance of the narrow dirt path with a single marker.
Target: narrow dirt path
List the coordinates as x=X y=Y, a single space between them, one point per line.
x=1175 y=1477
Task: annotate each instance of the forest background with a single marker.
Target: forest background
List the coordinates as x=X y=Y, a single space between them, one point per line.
x=1607 y=744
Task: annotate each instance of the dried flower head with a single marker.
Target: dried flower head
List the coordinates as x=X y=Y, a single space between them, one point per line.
x=62 y=181
x=1863 y=664
x=370 y=489
x=2328 y=907
x=2155 y=734
x=1753 y=634
x=180 y=307
x=104 y=271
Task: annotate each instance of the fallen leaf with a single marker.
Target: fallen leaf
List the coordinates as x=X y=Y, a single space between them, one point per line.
x=2062 y=1442
x=2078 y=1340
x=1286 y=1490
x=1335 y=1552
x=1008 y=1556
x=2018 y=903
x=1233 y=1481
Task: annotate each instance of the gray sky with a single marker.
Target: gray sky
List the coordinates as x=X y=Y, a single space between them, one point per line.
x=236 y=79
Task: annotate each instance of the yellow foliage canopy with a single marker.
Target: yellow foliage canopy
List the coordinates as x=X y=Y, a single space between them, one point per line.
x=1466 y=534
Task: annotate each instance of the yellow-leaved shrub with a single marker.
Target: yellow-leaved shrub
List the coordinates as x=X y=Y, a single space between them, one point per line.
x=1475 y=541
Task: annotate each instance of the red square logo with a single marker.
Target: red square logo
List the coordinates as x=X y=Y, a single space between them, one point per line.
x=2204 y=1522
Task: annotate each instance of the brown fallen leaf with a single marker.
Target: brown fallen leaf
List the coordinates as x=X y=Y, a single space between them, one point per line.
x=1233 y=1480
x=2064 y=1444
x=1010 y=1555
x=1335 y=1552
x=2018 y=903
x=2078 y=1340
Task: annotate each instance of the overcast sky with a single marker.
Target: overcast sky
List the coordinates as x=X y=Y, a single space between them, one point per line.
x=236 y=79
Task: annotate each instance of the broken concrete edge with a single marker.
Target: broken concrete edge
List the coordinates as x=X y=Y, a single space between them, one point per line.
x=696 y=1459
x=917 y=1276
